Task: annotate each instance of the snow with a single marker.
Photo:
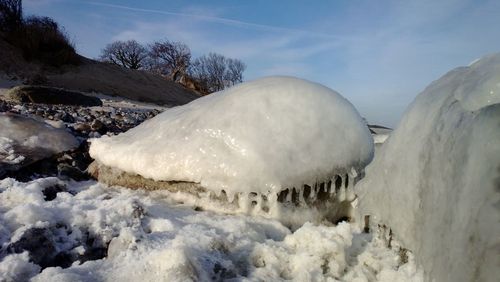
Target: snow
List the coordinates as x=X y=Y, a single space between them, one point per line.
x=261 y=136
x=380 y=138
x=17 y=267
x=20 y=135
x=151 y=237
x=435 y=180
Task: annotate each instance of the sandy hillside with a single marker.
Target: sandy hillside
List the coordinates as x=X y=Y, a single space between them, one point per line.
x=93 y=76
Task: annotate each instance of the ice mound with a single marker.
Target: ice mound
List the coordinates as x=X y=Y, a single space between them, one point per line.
x=260 y=137
x=435 y=182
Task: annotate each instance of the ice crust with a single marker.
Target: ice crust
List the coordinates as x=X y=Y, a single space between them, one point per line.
x=261 y=136
x=435 y=181
x=21 y=137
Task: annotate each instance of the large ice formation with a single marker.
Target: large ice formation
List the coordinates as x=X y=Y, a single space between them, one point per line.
x=436 y=180
x=260 y=137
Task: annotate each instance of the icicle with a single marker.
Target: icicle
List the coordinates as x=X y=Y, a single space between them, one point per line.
x=311 y=195
x=332 y=185
x=350 y=189
x=289 y=195
x=338 y=183
x=341 y=193
x=230 y=196
x=301 y=197
x=314 y=193
x=341 y=196
x=244 y=202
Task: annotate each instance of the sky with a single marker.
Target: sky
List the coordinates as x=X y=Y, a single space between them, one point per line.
x=377 y=54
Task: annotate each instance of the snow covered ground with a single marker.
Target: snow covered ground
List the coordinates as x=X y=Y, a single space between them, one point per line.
x=152 y=237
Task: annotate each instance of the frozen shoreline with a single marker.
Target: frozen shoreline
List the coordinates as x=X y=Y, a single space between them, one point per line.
x=151 y=237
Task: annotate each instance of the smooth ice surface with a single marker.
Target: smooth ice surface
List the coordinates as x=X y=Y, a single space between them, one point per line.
x=436 y=180
x=21 y=136
x=151 y=238
x=260 y=136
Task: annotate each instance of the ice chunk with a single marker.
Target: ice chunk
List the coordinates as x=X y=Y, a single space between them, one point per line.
x=23 y=140
x=435 y=181
x=261 y=136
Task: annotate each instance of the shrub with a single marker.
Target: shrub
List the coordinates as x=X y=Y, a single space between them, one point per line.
x=41 y=39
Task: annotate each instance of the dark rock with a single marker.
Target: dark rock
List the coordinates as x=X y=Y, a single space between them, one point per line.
x=38 y=242
x=82 y=127
x=66 y=172
x=50 y=95
x=4 y=106
x=50 y=192
x=53 y=246
x=98 y=126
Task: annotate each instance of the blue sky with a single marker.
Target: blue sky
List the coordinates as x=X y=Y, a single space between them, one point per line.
x=377 y=54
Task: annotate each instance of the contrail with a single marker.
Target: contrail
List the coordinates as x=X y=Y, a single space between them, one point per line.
x=220 y=20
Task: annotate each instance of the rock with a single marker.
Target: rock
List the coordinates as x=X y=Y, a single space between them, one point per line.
x=66 y=172
x=50 y=192
x=38 y=242
x=67 y=117
x=82 y=127
x=327 y=200
x=98 y=126
x=3 y=106
x=50 y=95
x=56 y=247
x=82 y=122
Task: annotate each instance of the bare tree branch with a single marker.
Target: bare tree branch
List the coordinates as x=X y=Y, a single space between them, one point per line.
x=214 y=72
x=169 y=58
x=129 y=54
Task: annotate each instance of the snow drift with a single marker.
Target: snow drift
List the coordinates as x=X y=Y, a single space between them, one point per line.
x=435 y=182
x=263 y=137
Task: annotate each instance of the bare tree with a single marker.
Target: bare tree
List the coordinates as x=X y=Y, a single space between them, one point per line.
x=214 y=72
x=11 y=14
x=234 y=73
x=129 y=54
x=169 y=58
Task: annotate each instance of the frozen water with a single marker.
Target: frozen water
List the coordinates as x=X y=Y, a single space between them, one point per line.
x=21 y=137
x=261 y=136
x=435 y=181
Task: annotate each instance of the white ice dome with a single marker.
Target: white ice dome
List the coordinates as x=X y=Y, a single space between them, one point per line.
x=261 y=136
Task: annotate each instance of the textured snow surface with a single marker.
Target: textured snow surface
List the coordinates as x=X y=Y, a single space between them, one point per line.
x=260 y=136
x=21 y=135
x=435 y=181
x=151 y=238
